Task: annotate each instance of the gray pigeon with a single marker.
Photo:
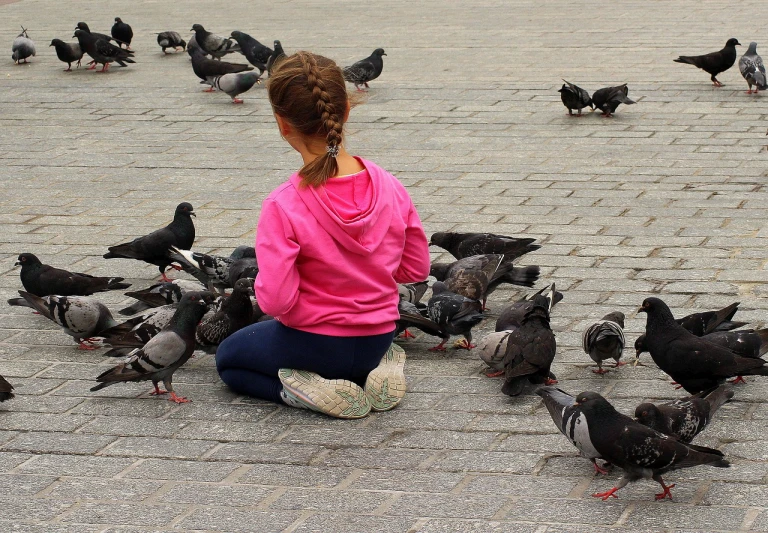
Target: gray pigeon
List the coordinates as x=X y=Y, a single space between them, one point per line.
x=68 y=53
x=79 y=316
x=454 y=314
x=163 y=293
x=164 y=353
x=5 y=390
x=365 y=70
x=170 y=39
x=23 y=47
x=604 y=339
x=137 y=331
x=609 y=98
x=753 y=70
x=216 y=271
x=234 y=314
x=236 y=83
x=574 y=97
x=215 y=45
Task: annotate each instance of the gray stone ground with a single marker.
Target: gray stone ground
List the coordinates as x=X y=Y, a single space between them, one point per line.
x=666 y=198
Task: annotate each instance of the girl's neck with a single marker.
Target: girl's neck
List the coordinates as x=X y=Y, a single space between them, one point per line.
x=347 y=164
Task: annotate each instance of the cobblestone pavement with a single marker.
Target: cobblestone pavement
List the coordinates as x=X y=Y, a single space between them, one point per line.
x=665 y=198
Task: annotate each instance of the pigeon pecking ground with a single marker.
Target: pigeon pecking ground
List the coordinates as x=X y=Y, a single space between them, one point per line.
x=666 y=198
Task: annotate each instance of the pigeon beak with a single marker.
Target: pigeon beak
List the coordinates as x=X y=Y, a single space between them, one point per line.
x=642 y=310
x=17 y=263
x=192 y=214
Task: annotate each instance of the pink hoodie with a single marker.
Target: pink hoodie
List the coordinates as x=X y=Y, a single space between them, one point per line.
x=330 y=257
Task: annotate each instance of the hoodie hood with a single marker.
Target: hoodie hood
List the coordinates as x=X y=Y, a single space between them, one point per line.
x=362 y=233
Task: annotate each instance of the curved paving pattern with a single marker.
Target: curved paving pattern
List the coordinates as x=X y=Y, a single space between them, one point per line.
x=667 y=197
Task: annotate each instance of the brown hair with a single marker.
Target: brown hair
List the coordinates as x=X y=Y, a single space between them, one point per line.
x=308 y=91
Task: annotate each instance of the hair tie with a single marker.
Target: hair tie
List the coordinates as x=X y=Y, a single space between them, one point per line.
x=333 y=150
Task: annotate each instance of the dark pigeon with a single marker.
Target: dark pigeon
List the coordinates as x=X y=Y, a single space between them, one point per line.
x=164 y=353
x=84 y=27
x=163 y=293
x=236 y=84
x=609 y=98
x=365 y=70
x=208 y=69
x=638 y=450
x=413 y=292
x=122 y=33
x=234 y=314
x=752 y=69
x=715 y=62
x=170 y=39
x=530 y=350
x=692 y=362
x=744 y=342
x=5 y=390
x=604 y=340
x=685 y=418
x=45 y=280
x=413 y=317
x=153 y=248
x=571 y=422
x=462 y=245
x=68 y=53
x=411 y=308
x=574 y=97
x=81 y=317
x=194 y=48
x=256 y=53
x=23 y=47
x=137 y=331
x=216 y=271
x=277 y=56
x=102 y=51
x=212 y=44
x=454 y=314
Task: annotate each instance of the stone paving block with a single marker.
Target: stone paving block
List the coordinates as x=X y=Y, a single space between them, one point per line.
x=14 y=485
x=482 y=461
x=158 y=447
x=235 y=521
x=340 y=523
x=221 y=495
x=445 y=505
x=295 y=475
x=129 y=514
x=44 y=442
x=181 y=470
x=77 y=489
x=650 y=515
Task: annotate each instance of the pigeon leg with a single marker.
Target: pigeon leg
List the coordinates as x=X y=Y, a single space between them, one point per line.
x=599 y=469
x=209 y=89
x=619 y=363
x=175 y=399
x=68 y=69
x=607 y=494
x=739 y=379
x=158 y=391
x=667 y=492
x=105 y=68
x=93 y=65
x=86 y=345
x=407 y=335
x=440 y=347
x=166 y=278
x=237 y=101
x=601 y=370
x=570 y=112
x=494 y=374
x=550 y=381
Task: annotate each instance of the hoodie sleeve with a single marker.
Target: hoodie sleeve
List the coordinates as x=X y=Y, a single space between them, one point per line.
x=414 y=264
x=277 y=283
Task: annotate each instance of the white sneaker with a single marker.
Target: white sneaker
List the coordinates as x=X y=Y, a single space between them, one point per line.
x=385 y=386
x=339 y=398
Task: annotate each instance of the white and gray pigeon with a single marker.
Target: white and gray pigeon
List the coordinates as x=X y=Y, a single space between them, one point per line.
x=217 y=271
x=236 y=83
x=215 y=45
x=604 y=340
x=170 y=39
x=365 y=70
x=137 y=331
x=80 y=317
x=23 y=47
x=163 y=293
x=752 y=69
x=164 y=353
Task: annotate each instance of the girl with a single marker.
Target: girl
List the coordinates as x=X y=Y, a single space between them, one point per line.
x=332 y=243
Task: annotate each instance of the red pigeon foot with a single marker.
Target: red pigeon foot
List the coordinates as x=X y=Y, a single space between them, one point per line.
x=599 y=469
x=178 y=399
x=550 y=381
x=666 y=492
x=237 y=101
x=739 y=379
x=158 y=391
x=209 y=90
x=607 y=494
x=601 y=371
x=495 y=374
x=407 y=335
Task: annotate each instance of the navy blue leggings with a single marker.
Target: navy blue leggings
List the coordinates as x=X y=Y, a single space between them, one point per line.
x=248 y=360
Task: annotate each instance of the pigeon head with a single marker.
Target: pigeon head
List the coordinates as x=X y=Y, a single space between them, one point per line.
x=80 y=34
x=56 y=42
x=438 y=287
x=640 y=346
x=236 y=34
x=439 y=270
x=752 y=50
x=83 y=26
x=616 y=316
x=118 y=19
x=539 y=309
x=443 y=239
x=379 y=52
x=197 y=27
x=185 y=209
x=27 y=259
x=732 y=42
x=656 y=307
x=192 y=307
x=243 y=251
x=244 y=285
x=592 y=402
x=649 y=415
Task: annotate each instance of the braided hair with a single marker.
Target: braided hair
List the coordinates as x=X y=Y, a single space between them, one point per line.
x=308 y=91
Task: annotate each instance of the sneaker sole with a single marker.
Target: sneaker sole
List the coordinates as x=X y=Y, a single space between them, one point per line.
x=386 y=385
x=338 y=398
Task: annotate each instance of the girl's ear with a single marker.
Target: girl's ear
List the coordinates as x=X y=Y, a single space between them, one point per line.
x=283 y=125
x=346 y=113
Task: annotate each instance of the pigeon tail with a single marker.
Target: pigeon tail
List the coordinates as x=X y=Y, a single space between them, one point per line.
x=718 y=397
x=525 y=276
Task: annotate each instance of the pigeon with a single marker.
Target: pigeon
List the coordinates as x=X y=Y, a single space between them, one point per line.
x=170 y=39
x=571 y=422
x=208 y=69
x=609 y=98
x=410 y=305
x=217 y=271
x=236 y=84
x=574 y=97
x=68 y=53
x=234 y=314
x=701 y=324
x=493 y=346
x=137 y=331
x=153 y=248
x=752 y=69
x=158 y=359
x=122 y=33
x=102 y=51
x=45 y=280
x=23 y=47
x=684 y=418
x=79 y=316
x=692 y=362
x=413 y=292
x=365 y=70
x=454 y=315
x=84 y=27
x=530 y=349
x=478 y=276
x=638 y=450
x=277 y=56
x=462 y=245
x=164 y=293
x=715 y=62
x=744 y=342
x=604 y=339
x=411 y=316
x=5 y=390
x=256 y=53
x=212 y=44
x=194 y=48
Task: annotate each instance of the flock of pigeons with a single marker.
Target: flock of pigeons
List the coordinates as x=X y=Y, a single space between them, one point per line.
x=608 y=99
x=206 y=50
